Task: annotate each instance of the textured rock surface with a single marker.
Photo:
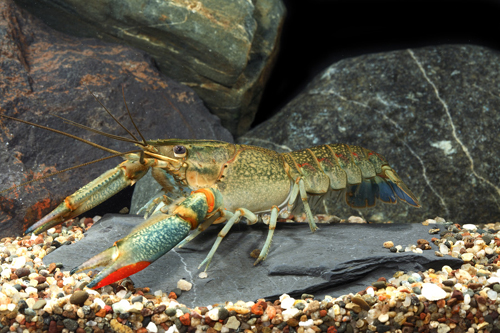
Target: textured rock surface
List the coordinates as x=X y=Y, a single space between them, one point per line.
x=335 y=260
x=432 y=112
x=45 y=72
x=223 y=49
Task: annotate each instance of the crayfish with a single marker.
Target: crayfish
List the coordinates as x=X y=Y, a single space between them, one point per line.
x=229 y=181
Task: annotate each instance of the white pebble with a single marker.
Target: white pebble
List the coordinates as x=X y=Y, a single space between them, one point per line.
x=171 y=329
x=152 y=327
x=158 y=293
x=466 y=299
x=287 y=314
x=443 y=249
x=213 y=314
x=9 y=290
x=432 y=292
x=18 y=262
x=184 y=285
x=137 y=306
x=5 y=274
x=492 y=295
x=443 y=328
x=287 y=302
x=203 y=275
x=99 y=302
x=31 y=290
x=467 y=256
x=470 y=227
x=370 y=291
x=307 y=323
x=121 y=293
x=122 y=306
x=383 y=317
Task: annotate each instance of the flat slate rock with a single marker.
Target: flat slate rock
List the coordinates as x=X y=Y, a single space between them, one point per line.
x=336 y=260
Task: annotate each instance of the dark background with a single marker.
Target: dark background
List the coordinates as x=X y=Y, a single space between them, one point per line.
x=318 y=33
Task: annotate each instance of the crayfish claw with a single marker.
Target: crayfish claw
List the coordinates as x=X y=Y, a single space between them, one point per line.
x=104 y=258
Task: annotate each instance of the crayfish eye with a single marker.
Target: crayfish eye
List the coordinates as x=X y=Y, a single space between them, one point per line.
x=179 y=151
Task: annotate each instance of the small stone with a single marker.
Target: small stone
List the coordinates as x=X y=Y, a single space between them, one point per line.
x=232 y=323
x=492 y=295
x=379 y=284
x=467 y=256
x=257 y=309
x=203 y=275
x=22 y=272
x=355 y=219
x=39 y=304
x=184 y=285
x=432 y=292
x=79 y=297
x=137 y=299
x=469 y=227
x=185 y=319
x=121 y=306
x=152 y=327
x=70 y=324
x=223 y=313
x=388 y=244
x=361 y=302
x=443 y=328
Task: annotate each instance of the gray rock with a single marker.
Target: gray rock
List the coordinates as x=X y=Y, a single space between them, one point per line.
x=223 y=49
x=43 y=72
x=335 y=260
x=432 y=112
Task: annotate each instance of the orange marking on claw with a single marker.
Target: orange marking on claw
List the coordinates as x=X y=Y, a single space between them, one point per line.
x=210 y=198
x=122 y=273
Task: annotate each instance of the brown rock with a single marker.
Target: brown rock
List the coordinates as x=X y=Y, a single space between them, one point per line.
x=361 y=302
x=474 y=286
x=223 y=49
x=52 y=267
x=40 y=279
x=480 y=299
x=49 y=72
x=292 y=322
x=159 y=309
x=79 y=297
x=69 y=314
x=52 y=327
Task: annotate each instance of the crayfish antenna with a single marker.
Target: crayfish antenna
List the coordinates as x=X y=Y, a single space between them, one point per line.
x=132 y=119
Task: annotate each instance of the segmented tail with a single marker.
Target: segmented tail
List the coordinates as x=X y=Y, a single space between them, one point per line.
x=364 y=175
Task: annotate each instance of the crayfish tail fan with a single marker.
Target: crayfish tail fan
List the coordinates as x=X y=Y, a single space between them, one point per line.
x=400 y=188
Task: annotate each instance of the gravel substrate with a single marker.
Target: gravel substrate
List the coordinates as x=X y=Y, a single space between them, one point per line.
x=36 y=298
